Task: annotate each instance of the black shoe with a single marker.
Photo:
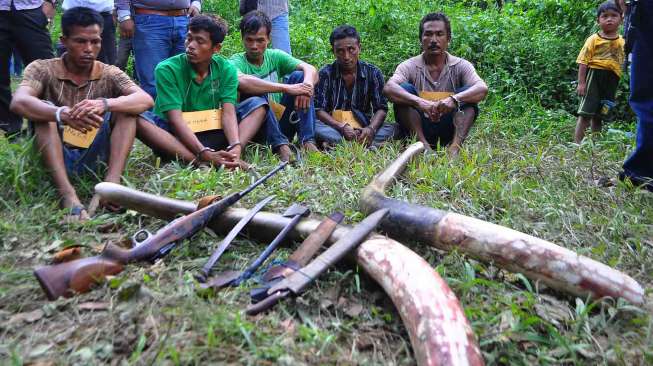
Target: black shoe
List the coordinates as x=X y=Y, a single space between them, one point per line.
x=639 y=182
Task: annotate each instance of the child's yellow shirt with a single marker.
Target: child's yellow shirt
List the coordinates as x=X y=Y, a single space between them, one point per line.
x=603 y=53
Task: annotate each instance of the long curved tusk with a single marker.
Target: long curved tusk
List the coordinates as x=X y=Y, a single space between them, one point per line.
x=439 y=331
x=537 y=259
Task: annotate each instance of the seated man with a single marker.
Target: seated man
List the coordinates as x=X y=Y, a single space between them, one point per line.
x=291 y=105
x=96 y=106
x=429 y=89
x=203 y=82
x=349 y=98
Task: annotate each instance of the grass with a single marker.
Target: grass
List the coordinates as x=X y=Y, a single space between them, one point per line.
x=517 y=170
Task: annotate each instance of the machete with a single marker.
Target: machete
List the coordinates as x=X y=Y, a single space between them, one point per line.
x=206 y=270
x=297 y=282
x=300 y=257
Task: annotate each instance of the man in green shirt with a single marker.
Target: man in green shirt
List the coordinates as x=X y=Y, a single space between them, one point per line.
x=261 y=70
x=199 y=80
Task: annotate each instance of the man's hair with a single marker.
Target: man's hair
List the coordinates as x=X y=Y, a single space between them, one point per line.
x=80 y=17
x=606 y=6
x=253 y=21
x=431 y=17
x=215 y=26
x=342 y=32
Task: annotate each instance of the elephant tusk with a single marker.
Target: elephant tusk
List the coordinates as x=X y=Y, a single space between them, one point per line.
x=539 y=260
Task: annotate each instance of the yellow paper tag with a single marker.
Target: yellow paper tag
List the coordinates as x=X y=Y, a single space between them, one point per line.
x=346 y=117
x=278 y=109
x=74 y=137
x=200 y=121
x=434 y=96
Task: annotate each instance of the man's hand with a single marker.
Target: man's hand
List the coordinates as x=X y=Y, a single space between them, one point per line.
x=445 y=106
x=127 y=28
x=83 y=124
x=365 y=135
x=305 y=89
x=193 y=11
x=348 y=132
x=217 y=158
x=302 y=102
x=48 y=10
x=87 y=107
x=429 y=109
x=581 y=89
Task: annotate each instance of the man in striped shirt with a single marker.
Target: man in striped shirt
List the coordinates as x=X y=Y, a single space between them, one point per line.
x=349 y=100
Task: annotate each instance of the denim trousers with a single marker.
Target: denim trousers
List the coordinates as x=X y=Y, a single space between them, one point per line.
x=640 y=164
x=280 y=34
x=24 y=31
x=300 y=122
x=156 y=38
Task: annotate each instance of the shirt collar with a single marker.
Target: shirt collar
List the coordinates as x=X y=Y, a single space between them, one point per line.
x=359 y=70
x=62 y=72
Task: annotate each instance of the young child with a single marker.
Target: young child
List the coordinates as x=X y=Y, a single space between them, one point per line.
x=599 y=70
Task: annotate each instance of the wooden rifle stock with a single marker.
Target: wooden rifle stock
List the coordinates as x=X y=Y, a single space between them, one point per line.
x=66 y=279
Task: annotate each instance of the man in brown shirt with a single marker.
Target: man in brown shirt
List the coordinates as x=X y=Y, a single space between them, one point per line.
x=84 y=112
x=427 y=90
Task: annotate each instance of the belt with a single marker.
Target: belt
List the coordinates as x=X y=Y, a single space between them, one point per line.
x=167 y=13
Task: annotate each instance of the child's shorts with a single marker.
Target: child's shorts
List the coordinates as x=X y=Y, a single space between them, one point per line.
x=601 y=87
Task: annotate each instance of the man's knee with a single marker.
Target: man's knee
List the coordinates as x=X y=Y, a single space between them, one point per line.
x=409 y=88
x=249 y=106
x=296 y=77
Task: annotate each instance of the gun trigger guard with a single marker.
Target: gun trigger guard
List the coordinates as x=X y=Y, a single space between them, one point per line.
x=140 y=233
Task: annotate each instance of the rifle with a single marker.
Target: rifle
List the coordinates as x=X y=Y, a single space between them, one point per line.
x=66 y=279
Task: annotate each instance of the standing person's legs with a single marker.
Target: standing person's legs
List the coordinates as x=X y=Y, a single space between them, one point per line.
x=9 y=122
x=280 y=34
x=180 y=28
x=108 y=50
x=29 y=32
x=152 y=43
x=639 y=166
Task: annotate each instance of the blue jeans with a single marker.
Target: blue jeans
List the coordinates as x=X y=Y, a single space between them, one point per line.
x=436 y=133
x=156 y=38
x=280 y=34
x=639 y=165
x=80 y=161
x=326 y=133
x=292 y=122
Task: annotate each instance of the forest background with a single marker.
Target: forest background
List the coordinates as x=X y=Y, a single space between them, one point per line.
x=519 y=169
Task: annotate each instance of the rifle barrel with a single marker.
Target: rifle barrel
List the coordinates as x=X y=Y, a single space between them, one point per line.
x=263 y=179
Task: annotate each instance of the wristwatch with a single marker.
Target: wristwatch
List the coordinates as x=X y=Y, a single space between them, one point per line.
x=123 y=18
x=53 y=2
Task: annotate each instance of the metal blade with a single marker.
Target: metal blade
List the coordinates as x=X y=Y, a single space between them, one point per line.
x=230 y=237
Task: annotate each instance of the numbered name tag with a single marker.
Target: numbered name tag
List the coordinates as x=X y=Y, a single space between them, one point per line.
x=346 y=117
x=201 y=121
x=75 y=138
x=434 y=96
x=278 y=109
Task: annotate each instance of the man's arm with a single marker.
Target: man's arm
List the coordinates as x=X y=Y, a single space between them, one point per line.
x=134 y=101
x=582 y=79
x=398 y=95
x=252 y=85
x=25 y=103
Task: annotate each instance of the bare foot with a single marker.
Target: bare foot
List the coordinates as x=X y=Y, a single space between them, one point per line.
x=310 y=147
x=284 y=153
x=453 y=150
x=76 y=211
